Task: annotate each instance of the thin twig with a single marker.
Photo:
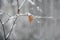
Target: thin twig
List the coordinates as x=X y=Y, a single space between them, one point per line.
x=18 y=7
x=3 y=12
x=8 y=35
x=22 y=4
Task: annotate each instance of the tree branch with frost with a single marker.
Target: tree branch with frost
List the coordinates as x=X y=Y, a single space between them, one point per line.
x=13 y=18
x=33 y=17
x=3 y=12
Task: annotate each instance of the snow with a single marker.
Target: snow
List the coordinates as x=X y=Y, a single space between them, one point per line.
x=31 y=2
x=39 y=9
x=22 y=4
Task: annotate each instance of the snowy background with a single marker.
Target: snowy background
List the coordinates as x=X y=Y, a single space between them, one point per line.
x=40 y=29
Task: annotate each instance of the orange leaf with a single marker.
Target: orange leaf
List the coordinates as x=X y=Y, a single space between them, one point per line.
x=30 y=18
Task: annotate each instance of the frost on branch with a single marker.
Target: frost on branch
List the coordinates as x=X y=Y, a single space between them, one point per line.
x=31 y=2
x=32 y=17
x=11 y=21
x=11 y=29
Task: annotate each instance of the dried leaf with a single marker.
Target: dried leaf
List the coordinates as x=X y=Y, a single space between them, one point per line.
x=30 y=18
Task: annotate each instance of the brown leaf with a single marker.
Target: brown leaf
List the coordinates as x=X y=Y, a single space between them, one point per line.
x=30 y=18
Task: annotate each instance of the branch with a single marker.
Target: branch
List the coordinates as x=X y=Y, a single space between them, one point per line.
x=3 y=12
x=18 y=7
x=8 y=35
x=22 y=4
x=43 y=17
x=31 y=2
x=3 y=29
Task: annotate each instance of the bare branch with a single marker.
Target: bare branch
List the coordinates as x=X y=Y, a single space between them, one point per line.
x=3 y=29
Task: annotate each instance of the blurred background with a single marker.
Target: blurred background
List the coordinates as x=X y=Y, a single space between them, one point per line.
x=40 y=29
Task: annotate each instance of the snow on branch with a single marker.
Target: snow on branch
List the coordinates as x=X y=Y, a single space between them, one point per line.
x=42 y=17
x=31 y=2
x=11 y=19
x=32 y=17
x=8 y=35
